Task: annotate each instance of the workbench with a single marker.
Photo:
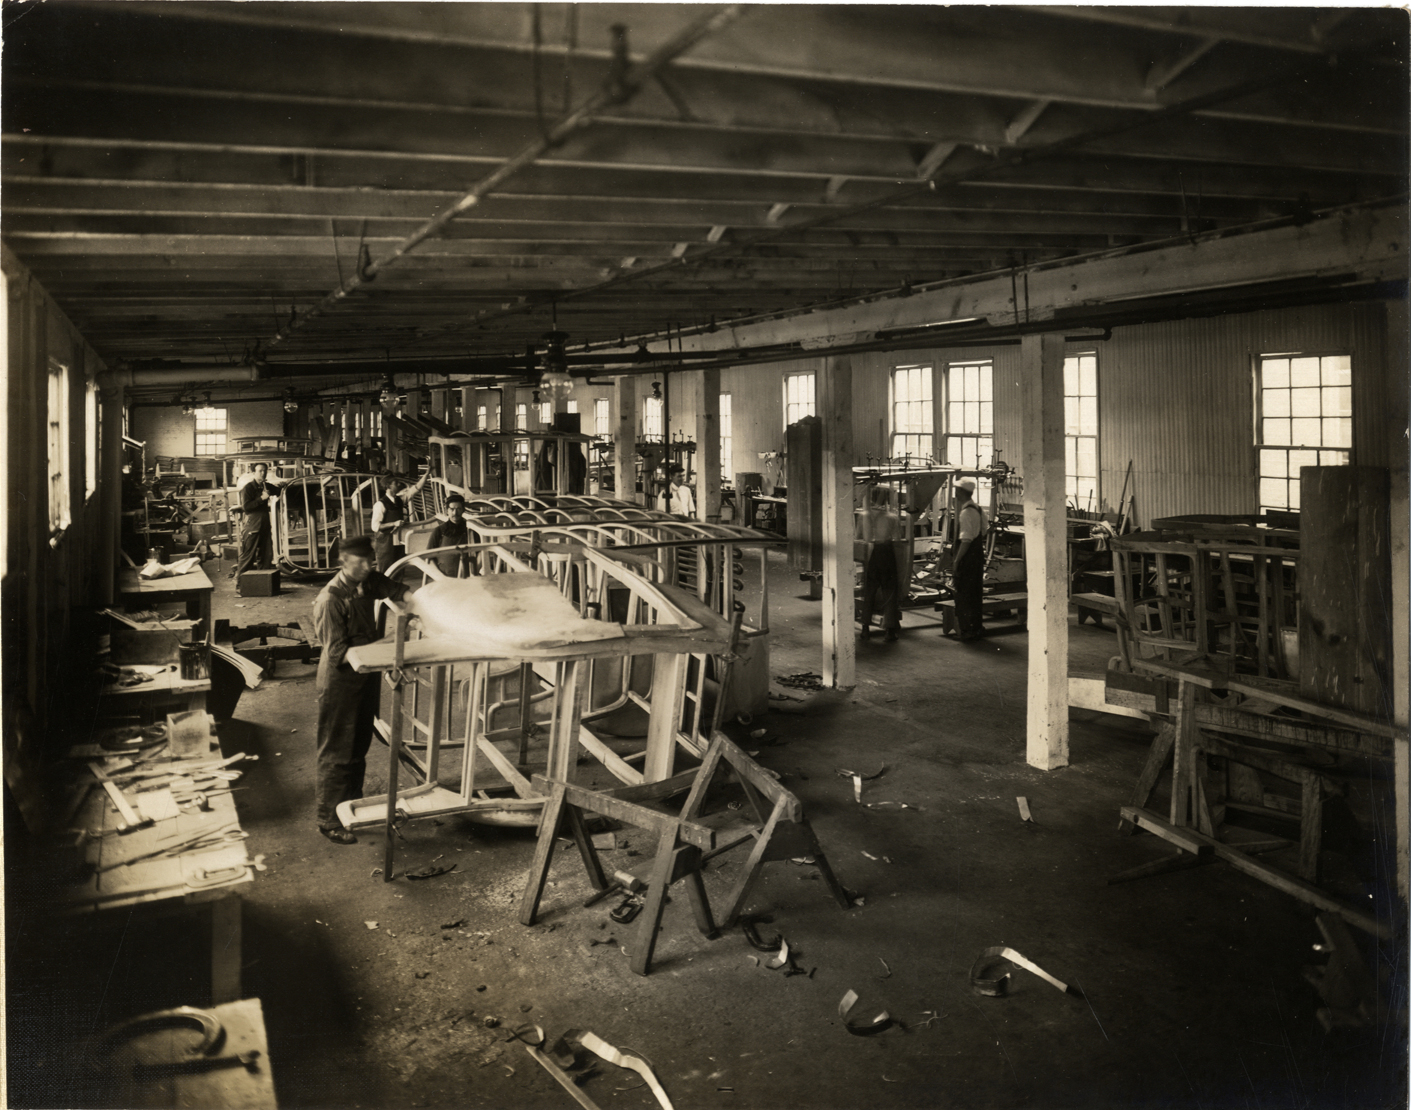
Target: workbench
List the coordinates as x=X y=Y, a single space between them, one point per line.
x=192 y=589
x=211 y=878
x=1241 y=729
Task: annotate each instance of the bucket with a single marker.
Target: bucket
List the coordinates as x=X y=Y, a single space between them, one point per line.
x=194 y=661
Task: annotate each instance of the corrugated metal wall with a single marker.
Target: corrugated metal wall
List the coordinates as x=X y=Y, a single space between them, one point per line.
x=1177 y=399
x=1174 y=398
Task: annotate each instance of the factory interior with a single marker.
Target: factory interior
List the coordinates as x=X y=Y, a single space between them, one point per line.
x=658 y=358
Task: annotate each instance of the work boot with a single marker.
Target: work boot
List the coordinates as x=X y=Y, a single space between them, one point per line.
x=338 y=834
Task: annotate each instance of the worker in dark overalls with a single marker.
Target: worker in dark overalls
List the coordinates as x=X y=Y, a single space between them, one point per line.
x=968 y=564
x=256 y=539
x=389 y=516
x=451 y=532
x=345 y=617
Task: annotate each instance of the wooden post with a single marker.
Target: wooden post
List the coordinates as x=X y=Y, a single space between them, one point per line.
x=1045 y=549
x=1395 y=422
x=708 y=446
x=668 y=698
x=625 y=439
x=835 y=411
x=469 y=401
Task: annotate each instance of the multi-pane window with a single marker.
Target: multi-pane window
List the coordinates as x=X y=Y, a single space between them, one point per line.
x=1304 y=418
x=570 y=406
x=727 y=441
x=91 y=441
x=800 y=400
x=211 y=427
x=521 y=417
x=913 y=412
x=482 y=418
x=546 y=413
x=602 y=417
x=1080 y=430
x=651 y=419
x=58 y=448
x=970 y=414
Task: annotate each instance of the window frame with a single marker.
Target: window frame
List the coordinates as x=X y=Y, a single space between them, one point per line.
x=808 y=405
x=948 y=436
x=93 y=441
x=925 y=374
x=1072 y=481
x=602 y=417
x=653 y=411
x=198 y=432
x=57 y=426
x=1320 y=451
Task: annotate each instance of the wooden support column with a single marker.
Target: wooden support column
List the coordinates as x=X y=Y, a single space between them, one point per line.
x=625 y=439
x=469 y=402
x=1045 y=548
x=708 y=446
x=1398 y=342
x=835 y=410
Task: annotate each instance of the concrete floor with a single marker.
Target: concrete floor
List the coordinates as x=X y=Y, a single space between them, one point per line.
x=1193 y=994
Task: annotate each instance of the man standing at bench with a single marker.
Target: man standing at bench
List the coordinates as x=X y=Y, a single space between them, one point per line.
x=345 y=617
x=968 y=564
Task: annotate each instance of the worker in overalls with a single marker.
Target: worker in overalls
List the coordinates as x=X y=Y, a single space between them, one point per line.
x=968 y=563
x=345 y=617
x=389 y=517
x=257 y=494
x=452 y=532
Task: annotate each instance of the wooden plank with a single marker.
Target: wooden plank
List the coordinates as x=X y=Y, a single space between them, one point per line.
x=1046 y=550
x=1269 y=690
x=1156 y=759
x=620 y=768
x=1241 y=861
x=1284 y=730
x=668 y=700
x=1182 y=764
x=1344 y=629
x=1188 y=840
x=1311 y=829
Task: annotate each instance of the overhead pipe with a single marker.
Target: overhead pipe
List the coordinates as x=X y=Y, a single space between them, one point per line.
x=622 y=85
x=128 y=378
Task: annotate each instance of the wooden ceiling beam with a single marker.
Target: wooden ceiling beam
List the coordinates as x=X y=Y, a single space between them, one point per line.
x=921 y=228
x=213 y=165
x=72 y=196
x=172 y=119
x=1025 y=52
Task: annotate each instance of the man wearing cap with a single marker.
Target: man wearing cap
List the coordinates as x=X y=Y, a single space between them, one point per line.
x=451 y=532
x=968 y=563
x=389 y=517
x=345 y=617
